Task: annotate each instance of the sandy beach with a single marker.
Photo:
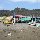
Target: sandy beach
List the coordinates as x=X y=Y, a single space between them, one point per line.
x=19 y=31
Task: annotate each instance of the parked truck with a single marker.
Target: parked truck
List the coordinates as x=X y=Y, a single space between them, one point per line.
x=8 y=20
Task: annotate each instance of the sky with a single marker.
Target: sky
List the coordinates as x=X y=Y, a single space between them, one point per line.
x=12 y=4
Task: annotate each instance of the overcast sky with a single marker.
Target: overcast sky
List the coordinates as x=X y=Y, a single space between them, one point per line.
x=11 y=4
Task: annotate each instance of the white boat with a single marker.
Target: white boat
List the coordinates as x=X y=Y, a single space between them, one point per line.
x=37 y=24
x=30 y=22
x=33 y=24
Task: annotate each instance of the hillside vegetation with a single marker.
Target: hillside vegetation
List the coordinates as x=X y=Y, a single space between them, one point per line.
x=22 y=11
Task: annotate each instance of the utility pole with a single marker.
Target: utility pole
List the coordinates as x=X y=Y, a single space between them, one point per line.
x=14 y=17
x=32 y=18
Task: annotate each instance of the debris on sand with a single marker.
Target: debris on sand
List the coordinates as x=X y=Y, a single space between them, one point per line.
x=1 y=30
x=21 y=30
x=4 y=30
x=33 y=31
x=5 y=36
x=18 y=37
x=9 y=34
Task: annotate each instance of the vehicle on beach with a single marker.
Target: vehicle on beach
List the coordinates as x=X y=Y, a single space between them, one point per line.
x=24 y=19
x=17 y=18
x=33 y=22
x=2 y=18
x=37 y=20
x=8 y=20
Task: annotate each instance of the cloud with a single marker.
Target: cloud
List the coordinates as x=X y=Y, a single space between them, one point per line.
x=24 y=0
